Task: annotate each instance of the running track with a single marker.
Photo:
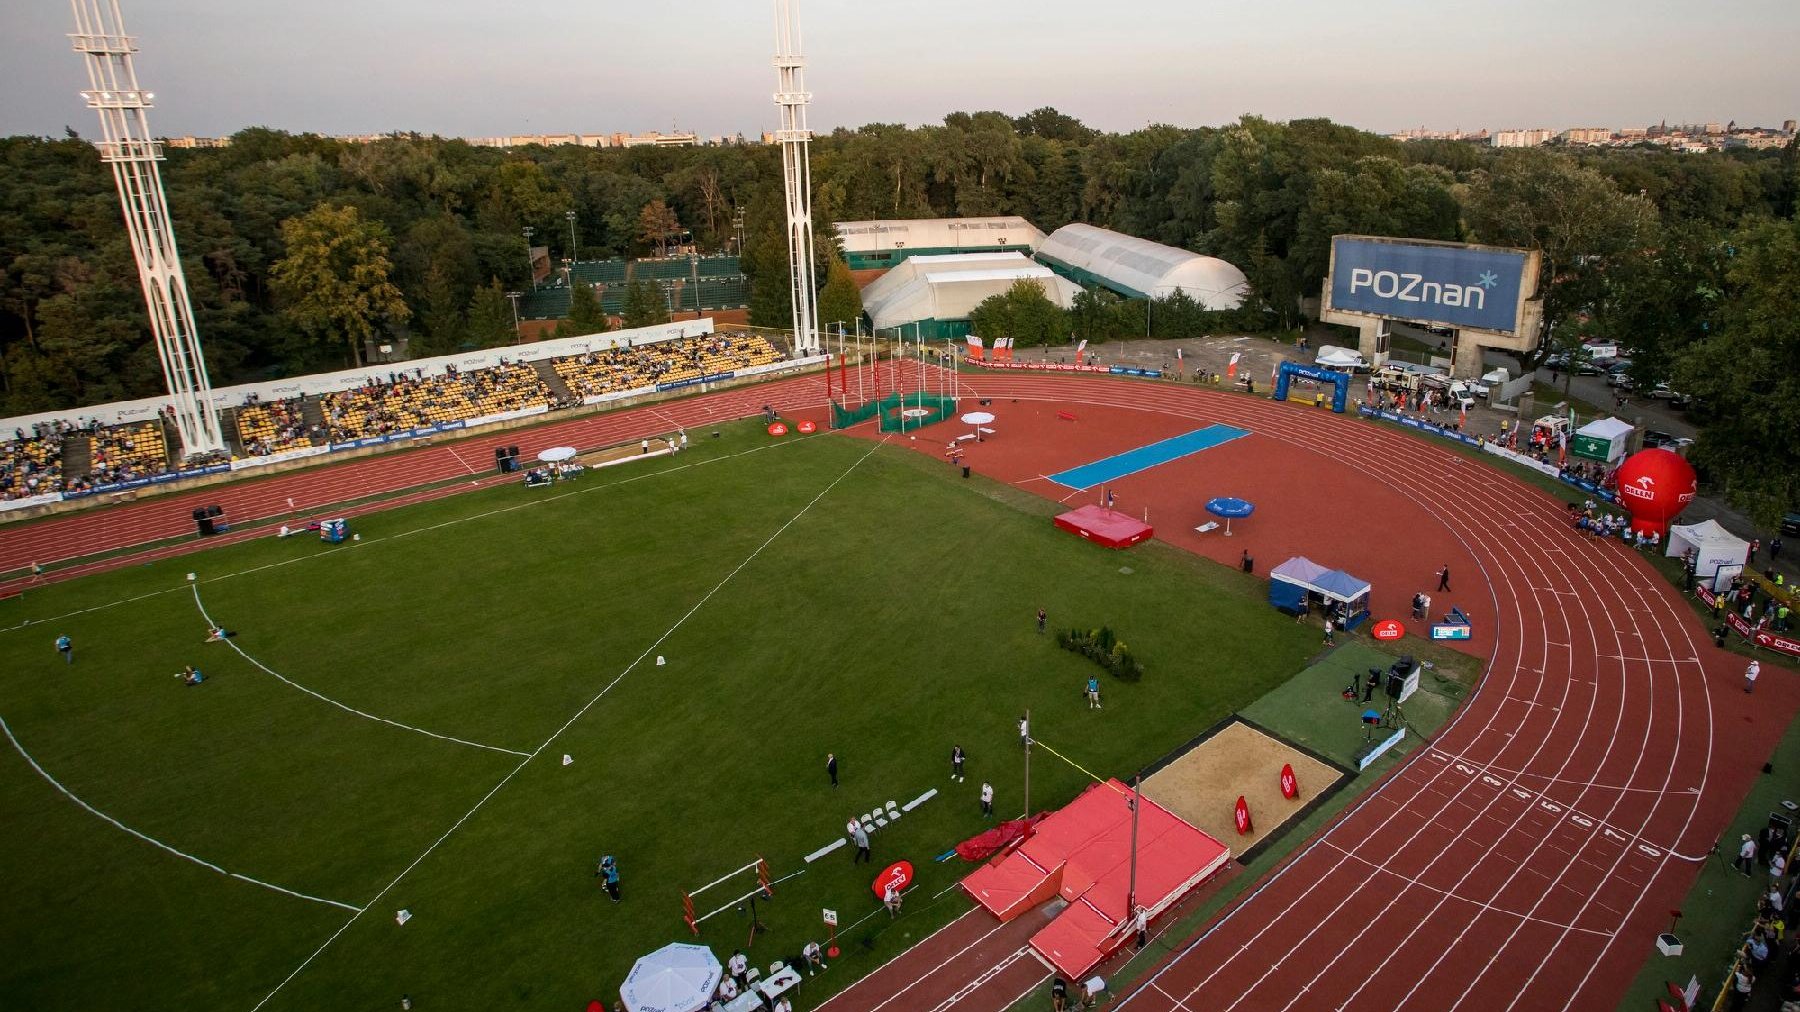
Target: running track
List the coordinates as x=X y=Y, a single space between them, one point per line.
x=1525 y=860
x=1529 y=856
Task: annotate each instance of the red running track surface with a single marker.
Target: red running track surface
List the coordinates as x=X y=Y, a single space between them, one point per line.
x=1526 y=858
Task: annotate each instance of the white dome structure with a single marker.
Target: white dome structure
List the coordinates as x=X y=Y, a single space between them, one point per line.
x=1138 y=268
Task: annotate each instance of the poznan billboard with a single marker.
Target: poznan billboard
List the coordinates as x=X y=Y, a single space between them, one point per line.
x=1468 y=287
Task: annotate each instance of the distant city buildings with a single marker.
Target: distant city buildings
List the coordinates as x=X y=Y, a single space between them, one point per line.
x=1691 y=137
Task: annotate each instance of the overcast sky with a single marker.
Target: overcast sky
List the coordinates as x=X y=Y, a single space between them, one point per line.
x=477 y=68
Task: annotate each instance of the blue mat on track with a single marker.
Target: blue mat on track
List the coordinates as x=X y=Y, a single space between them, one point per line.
x=1144 y=457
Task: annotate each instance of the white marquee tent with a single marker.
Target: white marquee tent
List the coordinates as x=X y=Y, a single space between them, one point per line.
x=1138 y=267
x=1718 y=553
x=949 y=287
x=934 y=234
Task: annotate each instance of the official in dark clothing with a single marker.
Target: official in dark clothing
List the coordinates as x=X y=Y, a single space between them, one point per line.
x=1444 y=578
x=831 y=767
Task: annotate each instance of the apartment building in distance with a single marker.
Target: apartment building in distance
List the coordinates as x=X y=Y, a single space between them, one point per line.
x=1522 y=138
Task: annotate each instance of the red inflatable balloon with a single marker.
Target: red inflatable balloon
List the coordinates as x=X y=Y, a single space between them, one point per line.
x=1655 y=485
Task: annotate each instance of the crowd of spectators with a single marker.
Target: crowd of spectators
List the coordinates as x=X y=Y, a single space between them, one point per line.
x=266 y=427
x=31 y=463
x=412 y=400
x=629 y=367
x=126 y=452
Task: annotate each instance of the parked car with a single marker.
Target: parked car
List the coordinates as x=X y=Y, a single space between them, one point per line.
x=1790 y=523
x=1592 y=367
x=1653 y=437
x=1619 y=378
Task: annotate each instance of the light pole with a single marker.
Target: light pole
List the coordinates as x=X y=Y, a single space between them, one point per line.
x=514 y=296
x=529 y=232
x=571 y=216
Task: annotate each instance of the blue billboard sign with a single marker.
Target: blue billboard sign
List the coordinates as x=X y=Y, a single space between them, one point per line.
x=1457 y=286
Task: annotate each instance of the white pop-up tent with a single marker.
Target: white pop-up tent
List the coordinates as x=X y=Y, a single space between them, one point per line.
x=1602 y=439
x=1718 y=553
x=1333 y=357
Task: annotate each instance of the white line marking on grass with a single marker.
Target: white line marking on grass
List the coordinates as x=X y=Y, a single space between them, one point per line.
x=608 y=687
x=26 y=623
x=153 y=841
x=210 y=624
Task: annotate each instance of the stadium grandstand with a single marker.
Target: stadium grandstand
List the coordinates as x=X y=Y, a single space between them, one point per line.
x=68 y=455
x=932 y=296
x=878 y=245
x=686 y=284
x=1138 y=268
x=628 y=367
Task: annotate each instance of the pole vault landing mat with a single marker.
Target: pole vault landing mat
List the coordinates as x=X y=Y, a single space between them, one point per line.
x=1082 y=853
x=1105 y=527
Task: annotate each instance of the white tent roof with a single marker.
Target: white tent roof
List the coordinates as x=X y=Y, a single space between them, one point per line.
x=1333 y=355
x=950 y=287
x=1604 y=428
x=1146 y=268
x=1706 y=534
x=934 y=233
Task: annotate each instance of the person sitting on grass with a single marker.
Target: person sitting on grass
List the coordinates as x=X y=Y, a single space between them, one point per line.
x=219 y=635
x=815 y=960
x=189 y=676
x=892 y=900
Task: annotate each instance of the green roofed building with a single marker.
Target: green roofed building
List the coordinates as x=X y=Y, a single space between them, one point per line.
x=931 y=297
x=877 y=245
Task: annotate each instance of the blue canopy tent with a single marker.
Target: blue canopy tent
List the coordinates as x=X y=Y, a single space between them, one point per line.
x=1298 y=580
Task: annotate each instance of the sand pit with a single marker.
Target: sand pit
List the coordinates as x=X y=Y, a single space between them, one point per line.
x=1202 y=785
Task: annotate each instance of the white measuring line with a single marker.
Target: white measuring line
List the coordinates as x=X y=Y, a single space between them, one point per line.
x=466 y=816
x=153 y=841
x=342 y=706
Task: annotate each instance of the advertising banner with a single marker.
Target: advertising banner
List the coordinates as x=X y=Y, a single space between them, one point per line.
x=1458 y=286
x=1043 y=366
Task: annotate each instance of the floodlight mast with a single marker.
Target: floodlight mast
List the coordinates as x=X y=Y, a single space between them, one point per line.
x=796 y=167
x=128 y=146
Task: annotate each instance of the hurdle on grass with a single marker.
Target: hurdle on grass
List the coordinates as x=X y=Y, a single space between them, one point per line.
x=763 y=888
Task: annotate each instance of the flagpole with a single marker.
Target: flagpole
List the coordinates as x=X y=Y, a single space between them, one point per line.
x=860 y=364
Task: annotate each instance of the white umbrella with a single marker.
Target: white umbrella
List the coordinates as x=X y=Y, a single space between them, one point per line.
x=556 y=454
x=675 y=978
x=977 y=418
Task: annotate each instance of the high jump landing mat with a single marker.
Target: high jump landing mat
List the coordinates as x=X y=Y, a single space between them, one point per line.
x=1083 y=854
x=1105 y=527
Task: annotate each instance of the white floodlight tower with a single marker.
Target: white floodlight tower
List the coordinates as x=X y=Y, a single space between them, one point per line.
x=796 y=166
x=133 y=152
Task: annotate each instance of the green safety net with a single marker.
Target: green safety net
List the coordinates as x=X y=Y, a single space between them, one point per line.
x=896 y=412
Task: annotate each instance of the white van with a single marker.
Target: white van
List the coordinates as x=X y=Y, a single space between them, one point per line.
x=1485 y=387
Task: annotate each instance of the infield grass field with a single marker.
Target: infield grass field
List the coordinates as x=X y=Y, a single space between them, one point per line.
x=810 y=595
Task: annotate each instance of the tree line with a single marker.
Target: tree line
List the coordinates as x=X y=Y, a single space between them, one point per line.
x=300 y=250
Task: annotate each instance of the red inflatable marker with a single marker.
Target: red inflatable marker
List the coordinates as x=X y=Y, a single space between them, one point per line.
x=1290 y=785
x=899 y=875
x=778 y=429
x=808 y=427
x=1388 y=629
x=1242 y=815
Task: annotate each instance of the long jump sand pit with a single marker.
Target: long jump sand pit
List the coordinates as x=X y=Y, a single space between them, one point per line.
x=1202 y=783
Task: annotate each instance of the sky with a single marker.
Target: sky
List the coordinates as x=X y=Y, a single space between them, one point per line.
x=475 y=68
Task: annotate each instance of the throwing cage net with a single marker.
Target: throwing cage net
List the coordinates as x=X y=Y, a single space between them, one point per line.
x=896 y=412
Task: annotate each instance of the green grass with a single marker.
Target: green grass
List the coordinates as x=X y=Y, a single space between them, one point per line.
x=1721 y=907
x=887 y=622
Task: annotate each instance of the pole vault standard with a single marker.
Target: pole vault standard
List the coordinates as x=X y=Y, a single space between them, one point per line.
x=763 y=889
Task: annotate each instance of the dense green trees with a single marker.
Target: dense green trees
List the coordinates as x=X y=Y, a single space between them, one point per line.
x=839 y=299
x=1637 y=242
x=1023 y=313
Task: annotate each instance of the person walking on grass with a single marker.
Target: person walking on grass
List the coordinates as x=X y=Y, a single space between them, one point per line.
x=831 y=767
x=861 y=837
x=1746 y=859
x=608 y=874
x=1330 y=631
x=66 y=647
x=1024 y=731
x=1444 y=578
x=1042 y=618
x=956 y=763
x=987 y=800
x=1093 y=692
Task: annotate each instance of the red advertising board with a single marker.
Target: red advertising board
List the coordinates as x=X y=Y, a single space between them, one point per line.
x=1388 y=629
